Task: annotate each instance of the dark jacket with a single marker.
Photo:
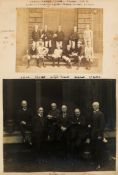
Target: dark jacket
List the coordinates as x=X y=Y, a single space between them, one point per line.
x=74 y=36
x=36 y=35
x=64 y=120
x=47 y=35
x=25 y=115
x=60 y=36
x=98 y=124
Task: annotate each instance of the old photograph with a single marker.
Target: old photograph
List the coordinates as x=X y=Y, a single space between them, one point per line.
x=54 y=40
x=59 y=125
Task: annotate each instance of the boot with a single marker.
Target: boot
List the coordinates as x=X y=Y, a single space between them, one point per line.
x=38 y=63
x=43 y=63
x=78 y=64
x=58 y=61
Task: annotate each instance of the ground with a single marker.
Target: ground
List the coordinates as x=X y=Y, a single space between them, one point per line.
x=23 y=158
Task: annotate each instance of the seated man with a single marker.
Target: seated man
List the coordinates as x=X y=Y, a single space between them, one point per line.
x=67 y=55
x=52 y=122
x=24 y=120
x=56 y=56
x=89 y=55
x=41 y=52
x=80 y=51
x=32 y=53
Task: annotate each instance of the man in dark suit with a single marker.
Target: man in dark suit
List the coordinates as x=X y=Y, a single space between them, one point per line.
x=97 y=134
x=24 y=119
x=77 y=131
x=63 y=124
x=52 y=122
x=39 y=129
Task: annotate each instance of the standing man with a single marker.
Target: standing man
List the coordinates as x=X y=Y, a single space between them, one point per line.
x=77 y=131
x=52 y=122
x=64 y=123
x=88 y=36
x=39 y=129
x=59 y=37
x=36 y=34
x=89 y=55
x=24 y=119
x=47 y=37
x=74 y=37
x=97 y=134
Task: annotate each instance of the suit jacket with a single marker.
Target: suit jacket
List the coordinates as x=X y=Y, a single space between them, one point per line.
x=25 y=115
x=38 y=124
x=64 y=120
x=36 y=35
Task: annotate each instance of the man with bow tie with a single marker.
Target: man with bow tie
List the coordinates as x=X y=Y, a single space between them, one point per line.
x=97 y=134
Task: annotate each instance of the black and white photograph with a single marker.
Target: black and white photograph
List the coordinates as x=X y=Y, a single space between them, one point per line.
x=59 y=125
x=54 y=40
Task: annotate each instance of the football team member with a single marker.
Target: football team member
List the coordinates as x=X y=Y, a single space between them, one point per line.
x=57 y=55
x=74 y=37
x=47 y=36
x=41 y=52
x=32 y=53
x=36 y=34
x=88 y=36
x=59 y=36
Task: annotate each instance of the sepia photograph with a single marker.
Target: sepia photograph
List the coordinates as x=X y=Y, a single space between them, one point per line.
x=57 y=125
x=54 y=40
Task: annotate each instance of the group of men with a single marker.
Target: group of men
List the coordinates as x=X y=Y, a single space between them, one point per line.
x=50 y=45
x=77 y=134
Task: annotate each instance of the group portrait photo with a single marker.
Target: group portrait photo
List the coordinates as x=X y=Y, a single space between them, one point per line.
x=59 y=125
x=51 y=40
